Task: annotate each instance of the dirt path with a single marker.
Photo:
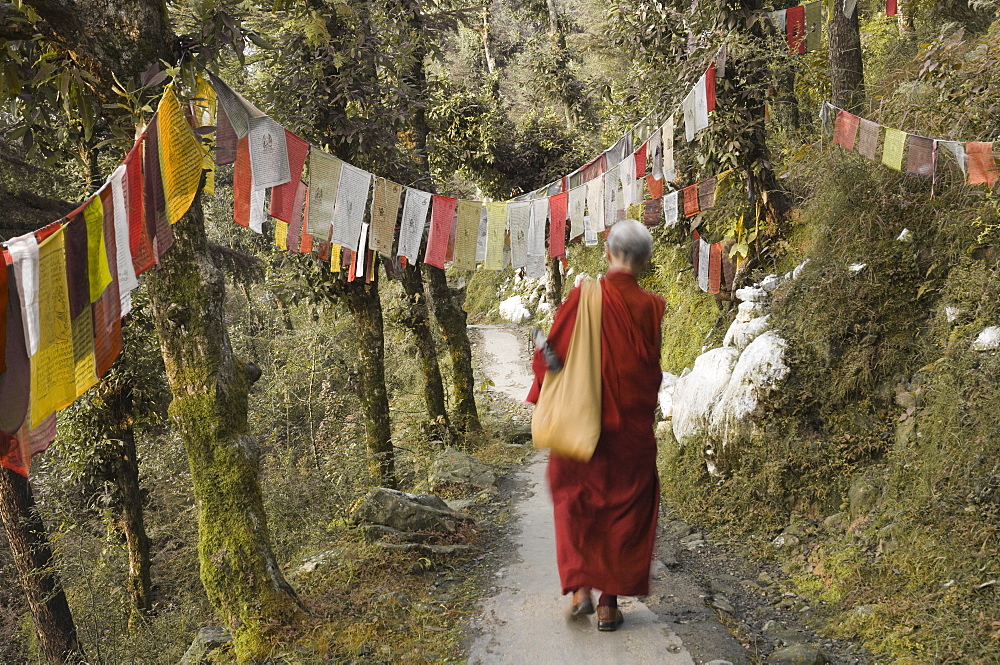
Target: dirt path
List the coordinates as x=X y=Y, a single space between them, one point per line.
x=525 y=622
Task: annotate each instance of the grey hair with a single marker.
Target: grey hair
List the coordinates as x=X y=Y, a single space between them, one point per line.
x=630 y=241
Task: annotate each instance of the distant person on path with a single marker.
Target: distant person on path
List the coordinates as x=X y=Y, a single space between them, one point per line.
x=606 y=509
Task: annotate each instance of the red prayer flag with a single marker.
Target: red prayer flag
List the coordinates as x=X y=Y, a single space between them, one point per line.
x=655 y=186
x=640 y=161
x=845 y=129
x=283 y=196
x=160 y=233
x=242 y=183
x=795 y=29
x=715 y=268
x=296 y=223
x=710 y=86
x=691 y=200
x=442 y=220
x=890 y=7
x=558 y=206
x=225 y=137
x=138 y=235
x=980 y=163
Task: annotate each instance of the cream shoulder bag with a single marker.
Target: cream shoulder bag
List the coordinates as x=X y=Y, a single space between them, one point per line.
x=567 y=416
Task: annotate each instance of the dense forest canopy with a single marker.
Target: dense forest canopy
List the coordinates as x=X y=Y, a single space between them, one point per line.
x=258 y=395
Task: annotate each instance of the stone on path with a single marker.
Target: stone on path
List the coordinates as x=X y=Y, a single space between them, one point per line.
x=208 y=639
x=454 y=467
x=408 y=512
x=800 y=654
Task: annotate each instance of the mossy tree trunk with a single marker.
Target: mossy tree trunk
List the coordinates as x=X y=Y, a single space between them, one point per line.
x=846 y=66
x=447 y=310
x=452 y=318
x=33 y=559
x=209 y=409
x=416 y=317
x=366 y=307
x=124 y=467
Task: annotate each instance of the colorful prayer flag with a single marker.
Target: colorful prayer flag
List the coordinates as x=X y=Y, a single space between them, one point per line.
x=442 y=221
x=496 y=227
x=468 y=216
x=980 y=162
x=181 y=157
x=557 y=224
x=518 y=217
x=411 y=227
x=352 y=201
x=324 y=180
x=892 y=148
x=845 y=129
x=283 y=196
x=385 y=210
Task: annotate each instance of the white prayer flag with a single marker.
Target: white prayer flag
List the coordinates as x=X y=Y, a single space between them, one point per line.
x=577 y=206
x=670 y=216
x=127 y=280
x=268 y=153
x=518 y=214
x=595 y=203
x=352 y=201
x=612 y=197
x=24 y=257
x=704 y=258
x=411 y=228
x=536 y=227
x=667 y=169
x=257 y=213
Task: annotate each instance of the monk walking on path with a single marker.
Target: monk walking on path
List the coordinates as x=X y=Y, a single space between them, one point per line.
x=606 y=509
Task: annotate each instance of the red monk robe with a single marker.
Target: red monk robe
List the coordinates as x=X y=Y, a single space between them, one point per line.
x=606 y=509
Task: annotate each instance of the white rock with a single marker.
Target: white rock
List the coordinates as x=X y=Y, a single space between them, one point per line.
x=513 y=310
x=905 y=236
x=770 y=283
x=751 y=294
x=666 y=394
x=857 y=267
x=988 y=340
x=544 y=307
x=741 y=333
x=799 y=268
x=951 y=313
x=696 y=392
x=759 y=370
x=749 y=310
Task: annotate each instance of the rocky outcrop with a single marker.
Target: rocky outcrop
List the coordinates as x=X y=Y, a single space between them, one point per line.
x=207 y=641
x=454 y=467
x=407 y=512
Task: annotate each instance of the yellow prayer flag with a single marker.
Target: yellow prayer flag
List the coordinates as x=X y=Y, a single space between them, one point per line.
x=281 y=234
x=181 y=157
x=53 y=371
x=336 y=257
x=892 y=148
x=84 y=365
x=204 y=114
x=496 y=228
x=98 y=271
x=467 y=234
